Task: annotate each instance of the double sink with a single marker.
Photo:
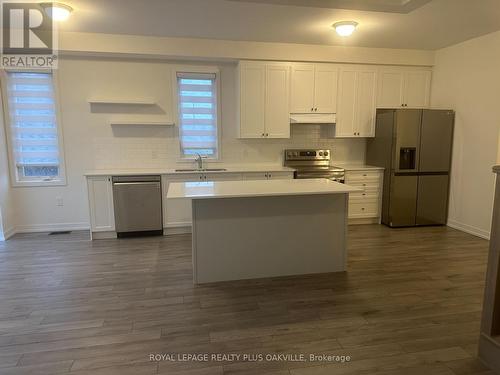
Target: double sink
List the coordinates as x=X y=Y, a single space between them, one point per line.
x=202 y=170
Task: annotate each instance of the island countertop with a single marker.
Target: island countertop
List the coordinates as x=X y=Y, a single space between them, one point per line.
x=258 y=188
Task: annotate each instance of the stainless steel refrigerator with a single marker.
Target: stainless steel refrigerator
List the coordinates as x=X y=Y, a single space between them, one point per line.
x=414 y=146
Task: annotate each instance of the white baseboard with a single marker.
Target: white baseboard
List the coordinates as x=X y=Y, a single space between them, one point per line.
x=8 y=233
x=177 y=230
x=469 y=229
x=51 y=227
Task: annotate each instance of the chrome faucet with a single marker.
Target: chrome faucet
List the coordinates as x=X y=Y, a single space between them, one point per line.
x=199 y=160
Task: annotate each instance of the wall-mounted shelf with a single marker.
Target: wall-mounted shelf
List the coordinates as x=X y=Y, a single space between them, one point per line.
x=122 y=101
x=141 y=123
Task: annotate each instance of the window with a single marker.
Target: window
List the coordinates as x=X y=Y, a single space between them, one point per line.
x=33 y=132
x=198 y=120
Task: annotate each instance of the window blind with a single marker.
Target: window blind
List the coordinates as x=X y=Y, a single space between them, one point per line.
x=33 y=124
x=197 y=95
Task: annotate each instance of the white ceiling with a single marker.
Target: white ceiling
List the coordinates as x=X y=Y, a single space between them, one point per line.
x=389 y=23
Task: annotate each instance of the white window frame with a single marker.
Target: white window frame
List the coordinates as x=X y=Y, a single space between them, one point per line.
x=197 y=69
x=36 y=181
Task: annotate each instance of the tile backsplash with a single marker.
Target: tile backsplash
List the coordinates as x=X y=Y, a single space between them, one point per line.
x=161 y=149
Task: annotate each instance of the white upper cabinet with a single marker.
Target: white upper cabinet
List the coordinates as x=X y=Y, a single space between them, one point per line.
x=417 y=88
x=302 y=96
x=264 y=100
x=391 y=84
x=252 y=99
x=403 y=87
x=314 y=88
x=277 y=113
x=366 y=107
x=357 y=102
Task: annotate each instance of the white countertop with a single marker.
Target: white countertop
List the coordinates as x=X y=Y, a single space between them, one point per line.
x=356 y=167
x=240 y=189
x=230 y=168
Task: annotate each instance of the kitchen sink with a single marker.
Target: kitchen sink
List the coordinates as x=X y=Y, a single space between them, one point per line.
x=202 y=170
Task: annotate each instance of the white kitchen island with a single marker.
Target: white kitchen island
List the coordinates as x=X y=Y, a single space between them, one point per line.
x=254 y=229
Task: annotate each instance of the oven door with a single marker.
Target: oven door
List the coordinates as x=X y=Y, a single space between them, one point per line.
x=337 y=176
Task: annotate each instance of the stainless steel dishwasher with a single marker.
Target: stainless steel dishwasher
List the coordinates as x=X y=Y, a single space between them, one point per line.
x=138 y=205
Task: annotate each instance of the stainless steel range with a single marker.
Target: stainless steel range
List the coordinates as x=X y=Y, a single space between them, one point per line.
x=313 y=164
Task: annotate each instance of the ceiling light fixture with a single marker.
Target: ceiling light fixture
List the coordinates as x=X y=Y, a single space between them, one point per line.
x=345 y=28
x=57 y=11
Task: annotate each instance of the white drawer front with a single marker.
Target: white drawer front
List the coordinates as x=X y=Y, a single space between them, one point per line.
x=364 y=195
x=356 y=177
x=363 y=208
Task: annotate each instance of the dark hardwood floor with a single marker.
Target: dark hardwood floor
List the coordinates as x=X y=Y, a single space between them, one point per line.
x=409 y=304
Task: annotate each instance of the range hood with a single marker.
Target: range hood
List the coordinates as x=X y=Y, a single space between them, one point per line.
x=313 y=118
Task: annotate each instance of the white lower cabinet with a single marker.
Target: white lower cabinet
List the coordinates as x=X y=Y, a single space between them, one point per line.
x=100 y=195
x=365 y=205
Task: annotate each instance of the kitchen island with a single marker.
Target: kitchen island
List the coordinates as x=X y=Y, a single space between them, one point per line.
x=254 y=229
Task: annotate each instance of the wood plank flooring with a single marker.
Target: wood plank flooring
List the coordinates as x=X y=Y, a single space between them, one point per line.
x=409 y=304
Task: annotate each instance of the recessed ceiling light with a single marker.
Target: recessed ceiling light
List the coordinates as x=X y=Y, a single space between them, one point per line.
x=57 y=11
x=345 y=28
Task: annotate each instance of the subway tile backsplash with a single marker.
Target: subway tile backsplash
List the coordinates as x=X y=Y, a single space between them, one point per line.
x=161 y=150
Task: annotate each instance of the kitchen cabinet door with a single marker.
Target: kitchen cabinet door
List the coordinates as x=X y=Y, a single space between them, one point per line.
x=391 y=85
x=100 y=195
x=302 y=88
x=366 y=106
x=252 y=99
x=417 y=88
x=403 y=87
x=325 y=88
x=277 y=108
x=347 y=96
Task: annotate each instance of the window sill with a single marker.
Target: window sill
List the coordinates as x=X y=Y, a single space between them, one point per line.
x=37 y=183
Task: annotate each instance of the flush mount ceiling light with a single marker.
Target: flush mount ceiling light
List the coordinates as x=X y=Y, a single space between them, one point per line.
x=57 y=11
x=345 y=28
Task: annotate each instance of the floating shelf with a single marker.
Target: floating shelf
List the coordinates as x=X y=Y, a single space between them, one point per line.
x=141 y=123
x=123 y=101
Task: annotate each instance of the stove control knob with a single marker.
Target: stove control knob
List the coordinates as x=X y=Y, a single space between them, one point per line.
x=320 y=153
x=326 y=153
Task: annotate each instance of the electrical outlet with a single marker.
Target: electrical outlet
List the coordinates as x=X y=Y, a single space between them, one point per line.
x=59 y=201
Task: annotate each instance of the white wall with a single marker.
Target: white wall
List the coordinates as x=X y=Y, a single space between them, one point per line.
x=467 y=78
x=7 y=204
x=86 y=44
x=91 y=143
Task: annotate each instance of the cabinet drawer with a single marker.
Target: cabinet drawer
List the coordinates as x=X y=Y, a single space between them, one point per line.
x=362 y=175
x=367 y=186
x=364 y=195
x=363 y=208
